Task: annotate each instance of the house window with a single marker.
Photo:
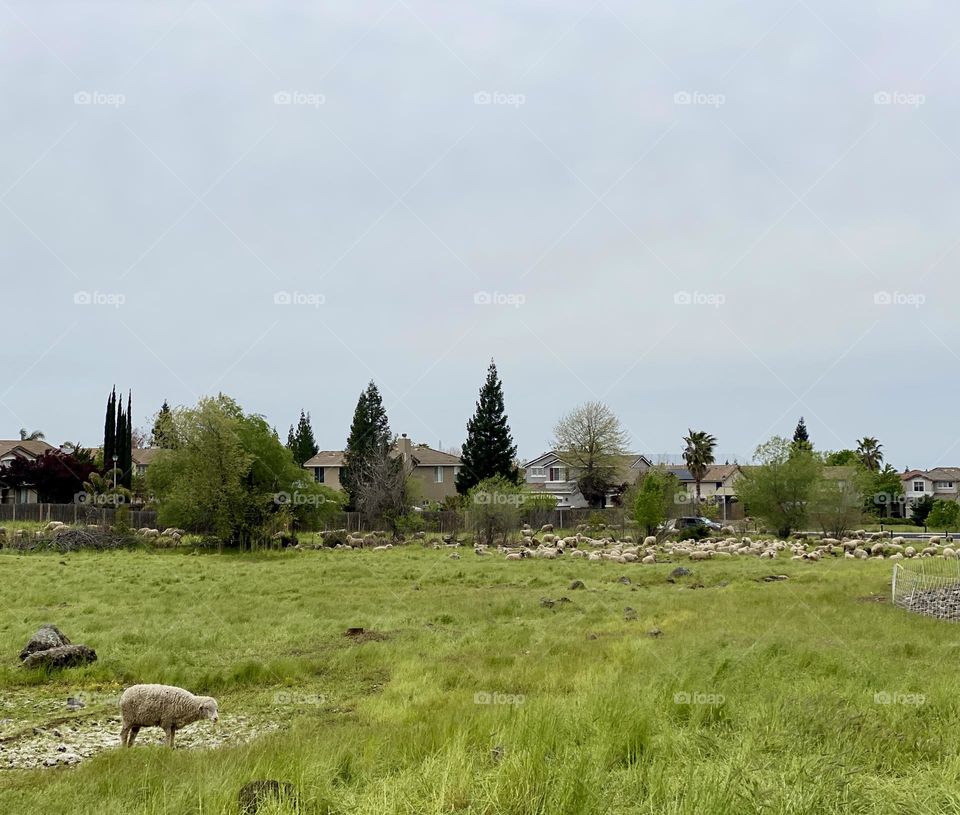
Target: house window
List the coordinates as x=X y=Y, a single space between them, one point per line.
x=557 y=474
x=438 y=475
x=918 y=486
x=944 y=485
x=318 y=474
x=538 y=472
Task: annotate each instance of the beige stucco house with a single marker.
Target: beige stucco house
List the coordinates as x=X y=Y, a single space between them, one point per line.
x=14 y=449
x=434 y=471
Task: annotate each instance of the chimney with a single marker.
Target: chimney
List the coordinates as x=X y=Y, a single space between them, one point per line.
x=404 y=449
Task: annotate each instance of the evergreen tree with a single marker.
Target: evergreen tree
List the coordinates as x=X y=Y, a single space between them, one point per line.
x=126 y=455
x=161 y=435
x=110 y=430
x=369 y=440
x=801 y=438
x=489 y=450
x=301 y=442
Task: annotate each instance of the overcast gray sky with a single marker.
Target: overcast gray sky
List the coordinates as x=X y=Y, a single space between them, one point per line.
x=701 y=213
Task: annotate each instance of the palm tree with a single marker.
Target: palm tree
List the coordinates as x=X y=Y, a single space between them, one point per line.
x=698 y=455
x=869 y=451
x=36 y=435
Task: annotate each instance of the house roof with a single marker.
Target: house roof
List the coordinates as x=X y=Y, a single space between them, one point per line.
x=31 y=448
x=715 y=472
x=144 y=456
x=422 y=454
x=326 y=458
x=628 y=461
x=936 y=474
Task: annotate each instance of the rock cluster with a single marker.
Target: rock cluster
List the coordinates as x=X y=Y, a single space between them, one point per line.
x=50 y=648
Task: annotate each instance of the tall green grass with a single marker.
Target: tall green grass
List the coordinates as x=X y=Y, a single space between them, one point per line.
x=758 y=697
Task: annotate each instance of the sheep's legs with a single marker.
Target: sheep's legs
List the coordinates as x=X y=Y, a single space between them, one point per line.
x=171 y=732
x=131 y=735
x=123 y=736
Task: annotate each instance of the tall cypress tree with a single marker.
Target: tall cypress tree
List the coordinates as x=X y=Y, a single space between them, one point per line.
x=110 y=430
x=369 y=437
x=120 y=434
x=126 y=454
x=489 y=449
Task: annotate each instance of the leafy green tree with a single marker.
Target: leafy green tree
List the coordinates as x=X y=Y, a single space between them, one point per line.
x=592 y=442
x=945 y=515
x=883 y=491
x=778 y=487
x=920 y=510
x=653 y=499
x=369 y=439
x=840 y=458
x=301 y=442
x=870 y=452
x=230 y=475
x=494 y=508
x=698 y=456
x=489 y=449
x=836 y=503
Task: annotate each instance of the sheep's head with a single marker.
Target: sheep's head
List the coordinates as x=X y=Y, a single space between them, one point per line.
x=208 y=708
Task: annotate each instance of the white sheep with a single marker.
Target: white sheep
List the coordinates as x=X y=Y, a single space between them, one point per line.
x=162 y=706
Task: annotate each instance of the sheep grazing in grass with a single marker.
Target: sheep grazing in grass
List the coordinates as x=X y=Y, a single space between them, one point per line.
x=162 y=706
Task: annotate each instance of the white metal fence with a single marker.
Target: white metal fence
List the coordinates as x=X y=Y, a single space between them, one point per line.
x=929 y=586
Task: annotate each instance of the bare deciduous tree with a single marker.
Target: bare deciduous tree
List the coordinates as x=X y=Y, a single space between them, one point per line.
x=591 y=440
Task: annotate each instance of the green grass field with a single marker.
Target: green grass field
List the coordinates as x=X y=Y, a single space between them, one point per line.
x=466 y=695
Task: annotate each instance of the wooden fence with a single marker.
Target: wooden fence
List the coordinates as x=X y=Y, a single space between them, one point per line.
x=73 y=514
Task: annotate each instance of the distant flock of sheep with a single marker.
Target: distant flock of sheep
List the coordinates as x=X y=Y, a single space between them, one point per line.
x=607 y=545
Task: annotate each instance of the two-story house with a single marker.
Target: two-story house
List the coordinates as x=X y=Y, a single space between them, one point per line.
x=14 y=449
x=718 y=486
x=549 y=473
x=434 y=471
x=941 y=483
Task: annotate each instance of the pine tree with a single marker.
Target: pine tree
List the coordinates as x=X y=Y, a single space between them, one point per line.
x=161 y=436
x=301 y=442
x=369 y=438
x=489 y=449
x=801 y=438
x=110 y=430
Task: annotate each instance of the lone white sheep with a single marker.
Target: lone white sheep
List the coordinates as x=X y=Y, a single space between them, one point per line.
x=162 y=706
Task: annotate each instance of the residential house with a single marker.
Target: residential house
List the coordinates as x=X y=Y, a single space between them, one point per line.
x=940 y=483
x=717 y=486
x=142 y=458
x=19 y=449
x=549 y=473
x=434 y=471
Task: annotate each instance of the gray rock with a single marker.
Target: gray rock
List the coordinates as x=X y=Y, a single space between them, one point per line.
x=577 y=584
x=66 y=656
x=546 y=602
x=629 y=613
x=46 y=637
x=625 y=580
x=680 y=571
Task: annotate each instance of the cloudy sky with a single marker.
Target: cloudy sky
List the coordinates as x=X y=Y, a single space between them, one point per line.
x=711 y=215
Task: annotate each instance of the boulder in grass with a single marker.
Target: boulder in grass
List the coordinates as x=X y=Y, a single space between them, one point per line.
x=47 y=636
x=65 y=656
